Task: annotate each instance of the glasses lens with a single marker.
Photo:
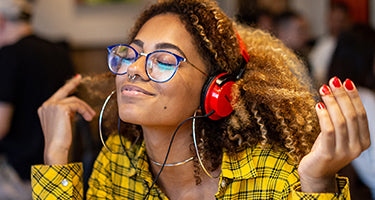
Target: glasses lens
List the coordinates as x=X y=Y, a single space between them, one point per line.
x=120 y=58
x=161 y=66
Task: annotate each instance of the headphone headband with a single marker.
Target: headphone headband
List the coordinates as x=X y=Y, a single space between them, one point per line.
x=243 y=48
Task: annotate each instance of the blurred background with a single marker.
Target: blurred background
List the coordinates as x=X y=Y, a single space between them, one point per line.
x=91 y=25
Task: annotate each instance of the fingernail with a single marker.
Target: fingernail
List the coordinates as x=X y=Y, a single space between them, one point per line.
x=348 y=84
x=336 y=82
x=321 y=106
x=77 y=75
x=325 y=90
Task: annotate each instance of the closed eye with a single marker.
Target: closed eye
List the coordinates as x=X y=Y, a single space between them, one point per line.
x=165 y=66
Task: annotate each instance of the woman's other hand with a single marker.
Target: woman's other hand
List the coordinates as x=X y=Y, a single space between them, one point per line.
x=344 y=135
x=55 y=116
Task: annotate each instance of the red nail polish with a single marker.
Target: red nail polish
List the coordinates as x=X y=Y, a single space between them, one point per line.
x=336 y=82
x=325 y=89
x=321 y=106
x=348 y=84
x=77 y=75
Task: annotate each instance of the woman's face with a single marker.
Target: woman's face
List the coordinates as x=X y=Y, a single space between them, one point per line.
x=145 y=102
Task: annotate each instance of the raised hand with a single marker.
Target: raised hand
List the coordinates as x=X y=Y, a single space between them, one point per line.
x=344 y=135
x=55 y=116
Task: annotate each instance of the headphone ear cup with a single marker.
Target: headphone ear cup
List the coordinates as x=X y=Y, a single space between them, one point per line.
x=206 y=86
x=216 y=96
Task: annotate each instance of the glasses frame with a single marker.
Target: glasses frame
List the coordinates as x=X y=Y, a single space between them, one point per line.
x=147 y=55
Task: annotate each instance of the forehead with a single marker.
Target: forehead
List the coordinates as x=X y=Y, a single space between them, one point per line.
x=165 y=28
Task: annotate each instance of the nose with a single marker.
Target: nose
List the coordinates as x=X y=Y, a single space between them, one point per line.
x=137 y=69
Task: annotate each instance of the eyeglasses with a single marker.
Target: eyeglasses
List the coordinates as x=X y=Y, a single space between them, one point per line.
x=160 y=66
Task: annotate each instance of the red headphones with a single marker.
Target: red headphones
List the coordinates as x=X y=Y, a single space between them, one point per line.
x=216 y=93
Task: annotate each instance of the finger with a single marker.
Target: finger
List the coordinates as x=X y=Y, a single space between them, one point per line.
x=349 y=113
x=326 y=139
x=77 y=105
x=364 y=134
x=83 y=103
x=41 y=118
x=336 y=117
x=67 y=89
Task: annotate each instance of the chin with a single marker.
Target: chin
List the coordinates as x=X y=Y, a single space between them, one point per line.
x=128 y=113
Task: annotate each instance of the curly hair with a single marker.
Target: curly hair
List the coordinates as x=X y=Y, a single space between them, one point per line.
x=275 y=100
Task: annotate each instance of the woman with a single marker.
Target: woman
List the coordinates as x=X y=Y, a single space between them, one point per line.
x=252 y=153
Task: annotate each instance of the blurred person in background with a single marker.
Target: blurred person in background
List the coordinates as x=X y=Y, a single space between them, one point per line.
x=259 y=18
x=293 y=30
x=354 y=59
x=31 y=69
x=320 y=56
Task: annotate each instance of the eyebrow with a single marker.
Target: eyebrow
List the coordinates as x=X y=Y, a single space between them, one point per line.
x=138 y=43
x=170 y=46
x=163 y=45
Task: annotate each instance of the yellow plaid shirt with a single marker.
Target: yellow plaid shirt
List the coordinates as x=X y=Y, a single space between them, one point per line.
x=254 y=174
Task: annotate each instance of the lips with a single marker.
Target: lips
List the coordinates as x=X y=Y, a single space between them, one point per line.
x=132 y=90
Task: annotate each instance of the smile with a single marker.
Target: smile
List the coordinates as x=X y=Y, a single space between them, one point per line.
x=132 y=90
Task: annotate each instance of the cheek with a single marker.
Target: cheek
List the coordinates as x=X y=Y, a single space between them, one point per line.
x=184 y=98
x=118 y=81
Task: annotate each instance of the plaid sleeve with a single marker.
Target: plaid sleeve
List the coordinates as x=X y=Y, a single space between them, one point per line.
x=343 y=184
x=57 y=181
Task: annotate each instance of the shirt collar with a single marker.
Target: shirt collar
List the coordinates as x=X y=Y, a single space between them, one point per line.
x=239 y=166
x=142 y=167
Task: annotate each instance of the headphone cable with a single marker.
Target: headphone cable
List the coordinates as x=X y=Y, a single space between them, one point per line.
x=169 y=149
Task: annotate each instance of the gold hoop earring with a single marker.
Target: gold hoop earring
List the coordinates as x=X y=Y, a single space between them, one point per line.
x=101 y=119
x=100 y=126
x=119 y=122
x=197 y=151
